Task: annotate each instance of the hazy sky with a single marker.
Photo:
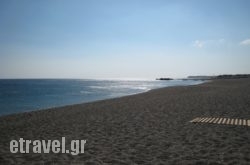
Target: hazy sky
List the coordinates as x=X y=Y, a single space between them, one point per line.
x=123 y=38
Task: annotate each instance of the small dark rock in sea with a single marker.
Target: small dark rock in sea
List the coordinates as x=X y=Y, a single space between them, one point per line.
x=164 y=79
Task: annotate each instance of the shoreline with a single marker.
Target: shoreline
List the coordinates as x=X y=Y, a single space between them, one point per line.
x=55 y=107
x=146 y=128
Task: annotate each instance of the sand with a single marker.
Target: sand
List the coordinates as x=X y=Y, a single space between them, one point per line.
x=148 y=128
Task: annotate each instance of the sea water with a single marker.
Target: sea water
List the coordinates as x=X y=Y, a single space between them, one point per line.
x=20 y=95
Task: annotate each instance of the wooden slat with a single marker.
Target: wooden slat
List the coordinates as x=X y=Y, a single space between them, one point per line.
x=203 y=120
x=200 y=119
x=248 y=123
x=207 y=119
x=194 y=120
x=216 y=120
x=228 y=121
x=244 y=122
x=236 y=122
x=232 y=122
x=197 y=119
x=219 y=122
x=240 y=122
x=211 y=120
x=224 y=121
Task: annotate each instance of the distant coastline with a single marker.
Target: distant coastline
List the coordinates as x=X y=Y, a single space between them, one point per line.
x=224 y=76
x=205 y=77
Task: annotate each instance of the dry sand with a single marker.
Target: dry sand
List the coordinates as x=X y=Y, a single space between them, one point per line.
x=148 y=128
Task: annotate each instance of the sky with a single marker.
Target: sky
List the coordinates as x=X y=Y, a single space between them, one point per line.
x=138 y=39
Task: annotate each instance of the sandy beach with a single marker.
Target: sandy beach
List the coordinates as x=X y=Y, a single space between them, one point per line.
x=147 y=128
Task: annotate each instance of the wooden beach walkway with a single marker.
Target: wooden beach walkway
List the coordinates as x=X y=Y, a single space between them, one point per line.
x=217 y=120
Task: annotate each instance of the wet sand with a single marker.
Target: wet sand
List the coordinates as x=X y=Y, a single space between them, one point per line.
x=147 y=128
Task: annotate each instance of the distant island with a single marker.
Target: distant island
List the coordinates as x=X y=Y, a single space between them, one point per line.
x=164 y=79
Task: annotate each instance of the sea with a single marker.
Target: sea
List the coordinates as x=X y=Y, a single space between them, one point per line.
x=22 y=95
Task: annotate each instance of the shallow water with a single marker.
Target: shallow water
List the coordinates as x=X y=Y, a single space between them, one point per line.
x=19 y=95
